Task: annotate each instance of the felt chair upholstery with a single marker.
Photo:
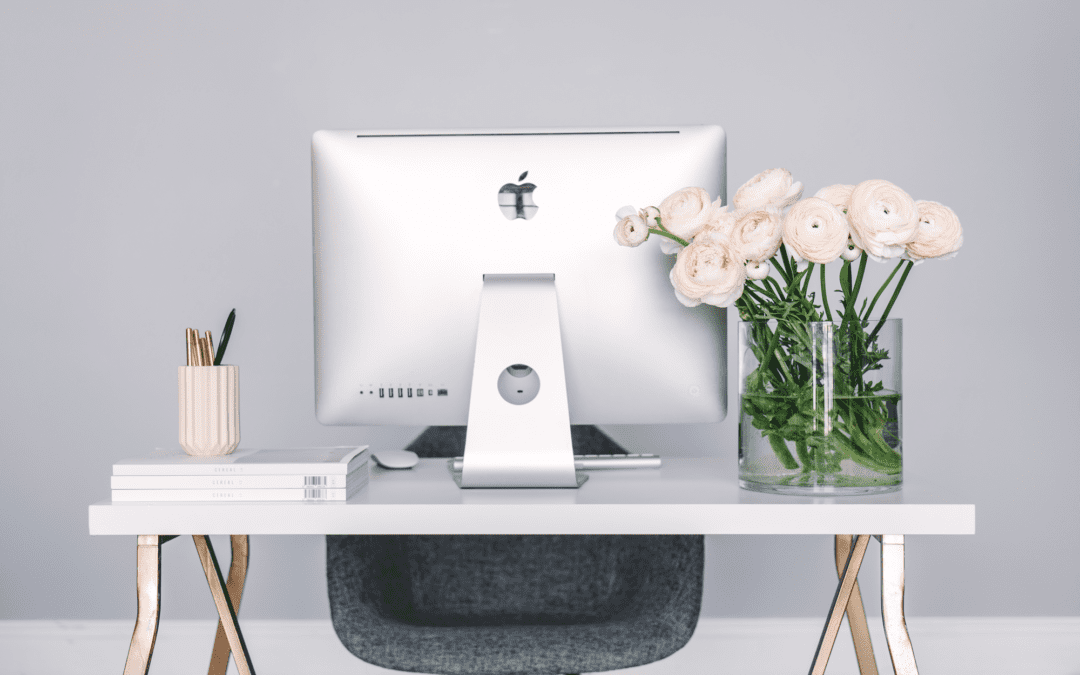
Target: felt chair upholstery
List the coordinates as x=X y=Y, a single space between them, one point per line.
x=502 y=604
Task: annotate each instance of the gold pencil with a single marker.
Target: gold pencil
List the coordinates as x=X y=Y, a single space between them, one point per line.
x=210 y=348
x=192 y=350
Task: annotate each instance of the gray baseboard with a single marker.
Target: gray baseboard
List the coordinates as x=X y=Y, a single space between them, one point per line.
x=953 y=646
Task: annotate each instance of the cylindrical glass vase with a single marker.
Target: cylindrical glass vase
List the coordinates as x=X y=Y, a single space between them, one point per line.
x=820 y=407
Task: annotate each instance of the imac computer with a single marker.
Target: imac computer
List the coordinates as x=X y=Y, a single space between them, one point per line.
x=471 y=278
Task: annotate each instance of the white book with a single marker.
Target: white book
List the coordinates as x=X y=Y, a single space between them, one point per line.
x=242 y=495
x=238 y=482
x=292 y=461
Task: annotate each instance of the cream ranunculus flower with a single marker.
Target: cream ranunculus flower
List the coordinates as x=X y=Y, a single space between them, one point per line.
x=816 y=230
x=757 y=270
x=684 y=213
x=838 y=195
x=769 y=188
x=851 y=252
x=883 y=219
x=721 y=221
x=649 y=214
x=631 y=230
x=708 y=271
x=939 y=233
x=757 y=234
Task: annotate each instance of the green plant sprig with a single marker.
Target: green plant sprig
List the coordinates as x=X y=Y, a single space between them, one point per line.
x=225 y=337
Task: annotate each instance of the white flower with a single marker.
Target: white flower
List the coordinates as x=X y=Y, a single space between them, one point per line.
x=649 y=214
x=721 y=221
x=709 y=272
x=684 y=213
x=939 y=234
x=757 y=234
x=631 y=230
x=851 y=252
x=883 y=219
x=838 y=195
x=757 y=270
x=769 y=188
x=816 y=230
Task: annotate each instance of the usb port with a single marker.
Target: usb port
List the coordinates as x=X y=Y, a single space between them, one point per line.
x=410 y=392
x=391 y=392
x=442 y=392
x=382 y=392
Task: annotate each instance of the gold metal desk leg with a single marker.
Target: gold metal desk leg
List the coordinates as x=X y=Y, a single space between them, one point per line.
x=892 y=605
x=856 y=613
x=840 y=602
x=148 y=588
x=219 y=659
x=226 y=612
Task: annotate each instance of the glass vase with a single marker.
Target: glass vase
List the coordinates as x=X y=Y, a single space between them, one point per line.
x=820 y=407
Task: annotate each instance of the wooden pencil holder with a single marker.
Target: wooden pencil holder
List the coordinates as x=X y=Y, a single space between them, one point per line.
x=209 y=409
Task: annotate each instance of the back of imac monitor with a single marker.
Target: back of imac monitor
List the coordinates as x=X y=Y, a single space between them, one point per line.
x=406 y=225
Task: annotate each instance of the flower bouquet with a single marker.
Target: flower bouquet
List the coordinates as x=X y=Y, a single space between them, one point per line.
x=819 y=382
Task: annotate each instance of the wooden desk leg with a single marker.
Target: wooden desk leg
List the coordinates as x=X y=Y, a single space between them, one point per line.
x=892 y=605
x=148 y=589
x=856 y=613
x=839 y=605
x=224 y=606
x=234 y=585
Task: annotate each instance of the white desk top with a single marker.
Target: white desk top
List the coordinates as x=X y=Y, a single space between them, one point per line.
x=686 y=496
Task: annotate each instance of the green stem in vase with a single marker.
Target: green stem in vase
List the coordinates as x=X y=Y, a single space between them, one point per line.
x=888 y=307
x=882 y=290
x=764 y=288
x=781 y=451
x=804 y=454
x=779 y=290
x=824 y=296
x=785 y=271
x=845 y=287
x=858 y=279
x=806 y=280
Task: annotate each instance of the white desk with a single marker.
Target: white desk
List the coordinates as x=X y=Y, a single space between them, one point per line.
x=686 y=496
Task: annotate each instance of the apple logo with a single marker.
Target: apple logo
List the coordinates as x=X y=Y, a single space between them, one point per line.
x=516 y=200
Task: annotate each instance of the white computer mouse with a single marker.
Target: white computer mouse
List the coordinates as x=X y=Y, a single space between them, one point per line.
x=395 y=459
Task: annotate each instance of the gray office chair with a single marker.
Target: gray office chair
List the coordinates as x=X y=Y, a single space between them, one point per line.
x=513 y=603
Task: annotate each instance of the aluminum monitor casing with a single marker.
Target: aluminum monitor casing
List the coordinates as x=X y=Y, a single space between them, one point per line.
x=406 y=223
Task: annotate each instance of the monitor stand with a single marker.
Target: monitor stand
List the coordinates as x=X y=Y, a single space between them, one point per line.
x=518 y=434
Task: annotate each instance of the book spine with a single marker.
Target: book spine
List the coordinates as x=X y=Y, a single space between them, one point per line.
x=243 y=495
x=229 y=482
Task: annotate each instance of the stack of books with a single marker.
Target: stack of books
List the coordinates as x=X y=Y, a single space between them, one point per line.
x=297 y=474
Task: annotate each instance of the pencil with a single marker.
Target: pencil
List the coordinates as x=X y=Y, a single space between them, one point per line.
x=210 y=348
x=192 y=350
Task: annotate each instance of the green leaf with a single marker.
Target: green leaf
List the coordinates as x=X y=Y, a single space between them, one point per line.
x=225 y=337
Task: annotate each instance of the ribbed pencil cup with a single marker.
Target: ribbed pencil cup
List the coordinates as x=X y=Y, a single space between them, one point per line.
x=209 y=409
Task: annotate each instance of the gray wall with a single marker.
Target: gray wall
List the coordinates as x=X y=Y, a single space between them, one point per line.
x=154 y=173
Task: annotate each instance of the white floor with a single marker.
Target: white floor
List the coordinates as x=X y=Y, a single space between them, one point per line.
x=943 y=646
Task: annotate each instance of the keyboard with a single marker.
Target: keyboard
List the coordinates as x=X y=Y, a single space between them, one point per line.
x=601 y=462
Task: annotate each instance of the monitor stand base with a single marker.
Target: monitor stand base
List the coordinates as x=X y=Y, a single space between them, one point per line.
x=456 y=475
